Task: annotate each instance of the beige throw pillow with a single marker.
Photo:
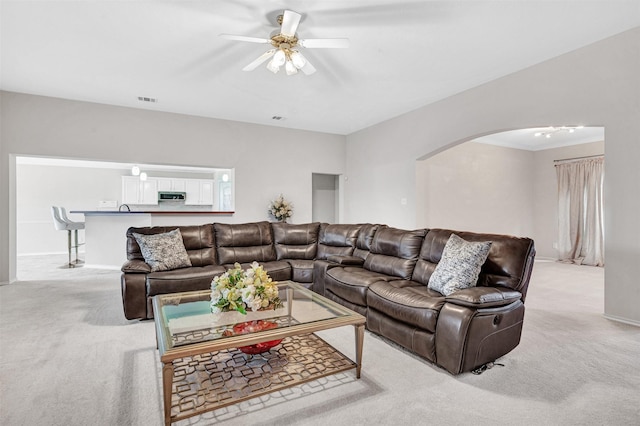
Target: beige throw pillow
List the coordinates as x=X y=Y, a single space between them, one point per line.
x=460 y=265
x=163 y=252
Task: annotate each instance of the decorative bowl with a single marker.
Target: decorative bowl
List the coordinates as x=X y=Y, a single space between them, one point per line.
x=252 y=327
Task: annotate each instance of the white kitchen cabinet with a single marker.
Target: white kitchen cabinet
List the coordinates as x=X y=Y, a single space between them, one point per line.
x=136 y=191
x=199 y=192
x=206 y=192
x=149 y=192
x=130 y=189
x=171 y=184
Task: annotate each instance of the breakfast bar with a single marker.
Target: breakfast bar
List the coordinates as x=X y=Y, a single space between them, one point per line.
x=105 y=230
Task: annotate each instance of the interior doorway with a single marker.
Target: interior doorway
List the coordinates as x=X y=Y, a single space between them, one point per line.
x=325 y=198
x=503 y=183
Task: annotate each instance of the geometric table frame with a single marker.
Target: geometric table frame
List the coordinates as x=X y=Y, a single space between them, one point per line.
x=204 y=373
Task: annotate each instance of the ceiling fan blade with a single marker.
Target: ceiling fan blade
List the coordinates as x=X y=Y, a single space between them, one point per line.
x=245 y=38
x=253 y=65
x=318 y=43
x=290 y=21
x=307 y=69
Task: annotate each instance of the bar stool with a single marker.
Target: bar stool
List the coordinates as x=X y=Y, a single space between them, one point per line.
x=62 y=223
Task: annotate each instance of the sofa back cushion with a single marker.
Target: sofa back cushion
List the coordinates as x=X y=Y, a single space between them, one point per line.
x=296 y=241
x=508 y=263
x=365 y=239
x=336 y=240
x=199 y=242
x=395 y=251
x=163 y=252
x=244 y=242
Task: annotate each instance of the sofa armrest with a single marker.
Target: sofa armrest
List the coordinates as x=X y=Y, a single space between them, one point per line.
x=484 y=297
x=346 y=260
x=320 y=268
x=467 y=337
x=135 y=266
x=134 y=296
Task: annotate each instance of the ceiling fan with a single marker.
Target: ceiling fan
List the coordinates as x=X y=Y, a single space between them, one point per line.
x=285 y=43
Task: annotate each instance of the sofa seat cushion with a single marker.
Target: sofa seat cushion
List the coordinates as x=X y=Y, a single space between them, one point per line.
x=407 y=301
x=350 y=283
x=301 y=270
x=278 y=270
x=185 y=279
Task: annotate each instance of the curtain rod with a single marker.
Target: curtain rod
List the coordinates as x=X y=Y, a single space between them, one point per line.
x=579 y=158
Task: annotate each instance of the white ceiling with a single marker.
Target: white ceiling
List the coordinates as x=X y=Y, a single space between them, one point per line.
x=403 y=54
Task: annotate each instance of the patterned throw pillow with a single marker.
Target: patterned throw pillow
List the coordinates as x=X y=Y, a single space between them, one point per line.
x=163 y=252
x=460 y=265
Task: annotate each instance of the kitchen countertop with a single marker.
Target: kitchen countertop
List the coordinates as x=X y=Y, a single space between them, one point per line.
x=115 y=212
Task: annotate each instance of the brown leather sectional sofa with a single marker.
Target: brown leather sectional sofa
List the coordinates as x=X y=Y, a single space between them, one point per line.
x=376 y=270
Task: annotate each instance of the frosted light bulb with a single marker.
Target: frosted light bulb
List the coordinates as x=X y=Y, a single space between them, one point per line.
x=135 y=170
x=297 y=59
x=271 y=66
x=290 y=68
x=279 y=58
x=143 y=176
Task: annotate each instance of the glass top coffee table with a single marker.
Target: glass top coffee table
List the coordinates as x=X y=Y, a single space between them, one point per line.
x=215 y=360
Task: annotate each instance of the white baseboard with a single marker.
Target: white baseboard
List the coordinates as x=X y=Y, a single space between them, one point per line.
x=48 y=253
x=622 y=320
x=94 y=266
x=545 y=259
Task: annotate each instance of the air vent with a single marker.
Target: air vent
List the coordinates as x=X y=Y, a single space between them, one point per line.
x=277 y=117
x=145 y=99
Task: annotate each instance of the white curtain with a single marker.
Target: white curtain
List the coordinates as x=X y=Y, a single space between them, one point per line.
x=580 y=211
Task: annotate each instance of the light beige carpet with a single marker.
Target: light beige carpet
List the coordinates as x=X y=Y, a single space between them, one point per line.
x=68 y=357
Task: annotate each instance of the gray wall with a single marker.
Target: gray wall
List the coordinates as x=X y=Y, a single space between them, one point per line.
x=477 y=187
x=267 y=160
x=488 y=188
x=597 y=85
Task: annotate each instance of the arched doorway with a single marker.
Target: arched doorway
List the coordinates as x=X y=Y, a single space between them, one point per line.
x=503 y=182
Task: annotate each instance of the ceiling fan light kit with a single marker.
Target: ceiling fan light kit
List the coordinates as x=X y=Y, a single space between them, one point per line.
x=553 y=130
x=284 y=43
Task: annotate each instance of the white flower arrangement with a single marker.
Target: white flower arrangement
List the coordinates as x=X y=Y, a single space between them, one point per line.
x=281 y=209
x=239 y=290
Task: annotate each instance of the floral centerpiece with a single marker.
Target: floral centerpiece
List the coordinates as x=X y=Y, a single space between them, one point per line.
x=239 y=290
x=280 y=209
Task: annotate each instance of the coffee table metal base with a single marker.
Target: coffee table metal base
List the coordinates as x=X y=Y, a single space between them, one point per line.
x=209 y=381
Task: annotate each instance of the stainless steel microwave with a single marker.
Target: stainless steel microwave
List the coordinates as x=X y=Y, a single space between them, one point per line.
x=171 y=196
